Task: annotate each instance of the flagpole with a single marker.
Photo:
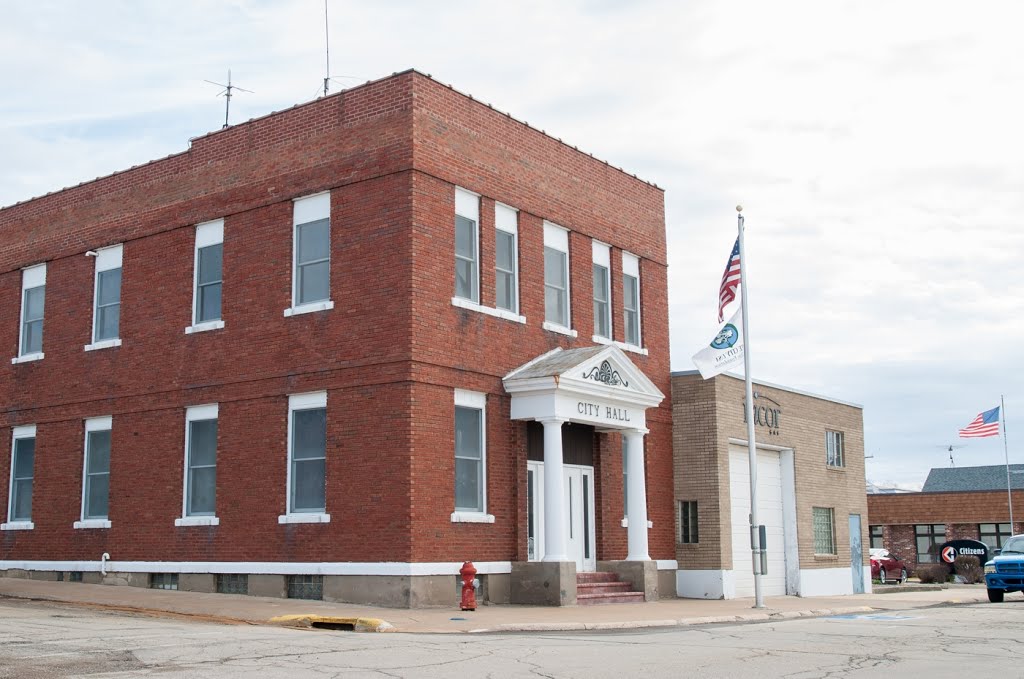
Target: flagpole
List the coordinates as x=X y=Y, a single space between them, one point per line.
x=1006 y=452
x=755 y=547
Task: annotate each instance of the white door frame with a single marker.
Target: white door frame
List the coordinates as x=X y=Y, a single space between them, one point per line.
x=580 y=530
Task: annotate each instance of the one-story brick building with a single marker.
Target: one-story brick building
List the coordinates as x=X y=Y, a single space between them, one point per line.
x=955 y=503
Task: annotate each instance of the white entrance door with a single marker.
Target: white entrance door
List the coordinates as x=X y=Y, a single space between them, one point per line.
x=769 y=513
x=579 y=512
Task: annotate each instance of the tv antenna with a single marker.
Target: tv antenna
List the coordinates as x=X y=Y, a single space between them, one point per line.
x=327 y=53
x=227 y=95
x=950 y=448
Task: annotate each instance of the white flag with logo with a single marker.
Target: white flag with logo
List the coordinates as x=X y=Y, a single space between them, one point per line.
x=725 y=350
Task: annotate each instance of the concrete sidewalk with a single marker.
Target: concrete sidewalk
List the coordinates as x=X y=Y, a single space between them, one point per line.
x=241 y=609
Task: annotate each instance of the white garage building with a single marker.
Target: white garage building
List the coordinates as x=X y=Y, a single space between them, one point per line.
x=811 y=498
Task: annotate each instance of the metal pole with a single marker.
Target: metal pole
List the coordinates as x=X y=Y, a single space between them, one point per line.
x=751 y=445
x=1006 y=452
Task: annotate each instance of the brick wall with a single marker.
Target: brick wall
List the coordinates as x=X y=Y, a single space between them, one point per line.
x=710 y=412
x=389 y=353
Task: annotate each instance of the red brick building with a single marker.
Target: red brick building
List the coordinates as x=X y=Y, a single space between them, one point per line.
x=331 y=351
x=954 y=504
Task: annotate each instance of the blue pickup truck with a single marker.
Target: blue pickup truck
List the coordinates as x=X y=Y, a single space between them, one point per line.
x=1005 y=572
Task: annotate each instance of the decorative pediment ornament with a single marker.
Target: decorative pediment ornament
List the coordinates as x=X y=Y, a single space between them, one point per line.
x=606 y=375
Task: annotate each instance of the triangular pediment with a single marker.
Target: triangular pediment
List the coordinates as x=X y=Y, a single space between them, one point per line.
x=603 y=371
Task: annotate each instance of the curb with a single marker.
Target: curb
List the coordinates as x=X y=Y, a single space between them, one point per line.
x=333 y=622
x=684 y=622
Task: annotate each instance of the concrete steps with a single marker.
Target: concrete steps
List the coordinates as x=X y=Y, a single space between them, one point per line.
x=594 y=589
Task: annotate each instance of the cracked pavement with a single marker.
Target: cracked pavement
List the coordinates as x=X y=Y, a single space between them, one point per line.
x=40 y=639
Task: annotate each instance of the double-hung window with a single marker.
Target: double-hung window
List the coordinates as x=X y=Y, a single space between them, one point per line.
x=876 y=534
x=994 y=534
x=23 y=453
x=506 y=260
x=208 y=277
x=602 y=291
x=556 y=279
x=106 y=319
x=33 y=298
x=199 y=506
x=631 y=298
x=307 y=459
x=311 y=247
x=470 y=457
x=467 y=250
x=96 y=474
x=835 y=456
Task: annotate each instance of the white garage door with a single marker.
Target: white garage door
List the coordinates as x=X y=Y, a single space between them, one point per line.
x=769 y=513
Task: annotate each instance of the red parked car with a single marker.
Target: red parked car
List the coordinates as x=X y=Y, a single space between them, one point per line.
x=887 y=567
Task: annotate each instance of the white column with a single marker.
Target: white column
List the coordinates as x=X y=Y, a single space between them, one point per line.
x=554 y=493
x=636 y=512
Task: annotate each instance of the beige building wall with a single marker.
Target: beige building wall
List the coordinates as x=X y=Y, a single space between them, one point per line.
x=708 y=413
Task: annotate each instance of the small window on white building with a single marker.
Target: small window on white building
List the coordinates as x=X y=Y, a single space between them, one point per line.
x=307 y=453
x=23 y=453
x=470 y=452
x=106 y=324
x=824 y=530
x=200 y=461
x=556 y=278
x=209 y=257
x=311 y=247
x=602 y=290
x=96 y=474
x=33 y=299
x=506 y=258
x=835 y=455
x=631 y=298
x=467 y=245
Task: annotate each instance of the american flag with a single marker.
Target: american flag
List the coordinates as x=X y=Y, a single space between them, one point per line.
x=730 y=279
x=985 y=424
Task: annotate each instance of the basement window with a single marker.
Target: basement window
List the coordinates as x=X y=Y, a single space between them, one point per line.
x=232 y=583
x=163 y=581
x=306 y=587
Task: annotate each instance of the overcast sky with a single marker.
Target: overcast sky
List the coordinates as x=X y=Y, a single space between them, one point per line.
x=876 y=147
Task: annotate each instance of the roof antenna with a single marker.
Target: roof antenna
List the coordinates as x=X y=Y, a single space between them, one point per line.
x=951 y=448
x=327 y=45
x=227 y=96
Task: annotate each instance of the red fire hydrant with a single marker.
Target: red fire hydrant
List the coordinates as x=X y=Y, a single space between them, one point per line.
x=468 y=573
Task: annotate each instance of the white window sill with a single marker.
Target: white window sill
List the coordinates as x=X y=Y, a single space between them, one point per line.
x=92 y=523
x=308 y=308
x=472 y=517
x=625 y=523
x=17 y=525
x=103 y=344
x=203 y=327
x=197 y=521
x=597 y=339
x=304 y=518
x=27 y=358
x=497 y=313
x=560 y=329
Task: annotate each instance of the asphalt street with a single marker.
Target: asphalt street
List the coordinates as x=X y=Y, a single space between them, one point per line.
x=40 y=640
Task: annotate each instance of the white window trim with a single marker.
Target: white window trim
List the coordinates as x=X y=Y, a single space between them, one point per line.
x=91 y=425
x=601 y=255
x=108 y=258
x=557 y=238
x=631 y=267
x=207 y=234
x=478 y=401
x=306 y=209
x=316 y=399
x=31 y=277
x=103 y=344
x=497 y=313
x=467 y=205
x=506 y=219
x=28 y=358
x=22 y=432
x=195 y=414
x=597 y=339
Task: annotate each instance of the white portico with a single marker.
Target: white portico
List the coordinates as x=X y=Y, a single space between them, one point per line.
x=597 y=386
